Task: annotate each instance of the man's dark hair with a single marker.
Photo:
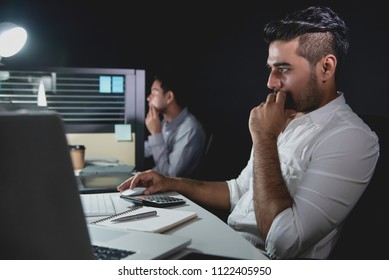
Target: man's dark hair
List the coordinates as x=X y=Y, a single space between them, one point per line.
x=320 y=30
x=174 y=82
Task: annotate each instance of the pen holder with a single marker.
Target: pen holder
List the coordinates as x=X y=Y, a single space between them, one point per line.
x=77 y=154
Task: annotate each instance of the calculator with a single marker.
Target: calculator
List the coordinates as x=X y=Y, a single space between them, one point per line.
x=155 y=200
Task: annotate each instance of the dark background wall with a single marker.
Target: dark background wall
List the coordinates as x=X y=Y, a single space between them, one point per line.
x=220 y=47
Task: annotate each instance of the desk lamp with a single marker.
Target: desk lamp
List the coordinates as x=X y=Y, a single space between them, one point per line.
x=12 y=39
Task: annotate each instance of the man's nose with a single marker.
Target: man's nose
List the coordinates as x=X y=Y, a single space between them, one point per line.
x=273 y=82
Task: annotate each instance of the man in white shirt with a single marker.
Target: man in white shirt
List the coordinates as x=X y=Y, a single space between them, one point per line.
x=310 y=163
x=177 y=142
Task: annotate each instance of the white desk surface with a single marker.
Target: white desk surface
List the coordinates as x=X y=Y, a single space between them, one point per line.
x=209 y=234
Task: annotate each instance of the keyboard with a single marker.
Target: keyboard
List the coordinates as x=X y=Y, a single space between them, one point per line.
x=99 y=204
x=106 y=253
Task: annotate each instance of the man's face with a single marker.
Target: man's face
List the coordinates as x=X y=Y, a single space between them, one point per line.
x=293 y=75
x=156 y=97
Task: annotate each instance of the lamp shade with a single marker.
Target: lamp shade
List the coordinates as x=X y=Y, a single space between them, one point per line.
x=12 y=39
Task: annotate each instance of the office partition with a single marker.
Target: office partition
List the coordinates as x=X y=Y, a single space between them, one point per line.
x=91 y=101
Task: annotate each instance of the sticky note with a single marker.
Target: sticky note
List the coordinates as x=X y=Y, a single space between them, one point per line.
x=123 y=132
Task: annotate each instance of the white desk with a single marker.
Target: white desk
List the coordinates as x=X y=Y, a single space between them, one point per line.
x=209 y=234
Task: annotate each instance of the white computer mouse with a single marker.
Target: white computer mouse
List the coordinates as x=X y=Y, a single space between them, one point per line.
x=135 y=191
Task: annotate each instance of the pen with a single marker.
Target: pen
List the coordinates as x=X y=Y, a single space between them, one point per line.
x=136 y=216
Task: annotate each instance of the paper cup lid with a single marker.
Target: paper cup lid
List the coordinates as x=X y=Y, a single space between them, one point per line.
x=76 y=147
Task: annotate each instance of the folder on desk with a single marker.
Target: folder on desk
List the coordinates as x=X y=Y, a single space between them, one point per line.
x=107 y=169
x=164 y=220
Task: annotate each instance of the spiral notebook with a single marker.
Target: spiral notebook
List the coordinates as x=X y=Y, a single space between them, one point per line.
x=164 y=220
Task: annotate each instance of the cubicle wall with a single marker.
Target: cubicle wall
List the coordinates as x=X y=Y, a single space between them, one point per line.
x=104 y=147
x=103 y=109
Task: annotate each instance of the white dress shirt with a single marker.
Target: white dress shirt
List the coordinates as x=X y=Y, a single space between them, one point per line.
x=177 y=150
x=327 y=159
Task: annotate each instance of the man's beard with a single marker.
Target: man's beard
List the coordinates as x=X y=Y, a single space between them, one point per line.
x=312 y=98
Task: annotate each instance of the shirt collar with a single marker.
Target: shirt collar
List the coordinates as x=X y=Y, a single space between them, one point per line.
x=319 y=115
x=180 y=117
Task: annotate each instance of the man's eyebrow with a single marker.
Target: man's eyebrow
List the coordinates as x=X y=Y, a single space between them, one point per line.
x=278 y=64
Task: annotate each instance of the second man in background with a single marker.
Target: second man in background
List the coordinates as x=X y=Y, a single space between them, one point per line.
x=176 y=142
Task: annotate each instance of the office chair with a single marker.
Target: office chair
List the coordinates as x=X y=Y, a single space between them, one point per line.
x=199 y=173
x=204 y=172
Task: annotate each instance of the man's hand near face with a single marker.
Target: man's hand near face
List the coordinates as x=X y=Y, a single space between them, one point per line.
x=153 y=122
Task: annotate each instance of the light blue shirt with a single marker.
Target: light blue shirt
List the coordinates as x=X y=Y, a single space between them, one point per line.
x=177 y=150
x=327 y=160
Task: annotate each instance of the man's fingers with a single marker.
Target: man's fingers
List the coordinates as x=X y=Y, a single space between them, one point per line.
x=281 y=97
x=271 y=98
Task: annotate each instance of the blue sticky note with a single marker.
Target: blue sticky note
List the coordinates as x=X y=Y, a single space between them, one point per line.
x=123 y=132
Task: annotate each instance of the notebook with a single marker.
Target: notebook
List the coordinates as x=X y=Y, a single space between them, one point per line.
x=99 y=204
x=40 y=209
x=164 y=219
x=106 y=204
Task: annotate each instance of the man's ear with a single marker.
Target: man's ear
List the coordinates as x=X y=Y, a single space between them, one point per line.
x=327 y=67
x=170 y=96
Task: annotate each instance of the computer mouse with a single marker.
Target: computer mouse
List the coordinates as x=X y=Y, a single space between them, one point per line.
x=133 y=192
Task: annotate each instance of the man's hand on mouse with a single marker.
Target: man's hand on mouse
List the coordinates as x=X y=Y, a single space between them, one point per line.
x=152 y=181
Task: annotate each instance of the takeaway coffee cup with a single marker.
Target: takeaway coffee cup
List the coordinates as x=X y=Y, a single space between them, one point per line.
x=77 y=154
